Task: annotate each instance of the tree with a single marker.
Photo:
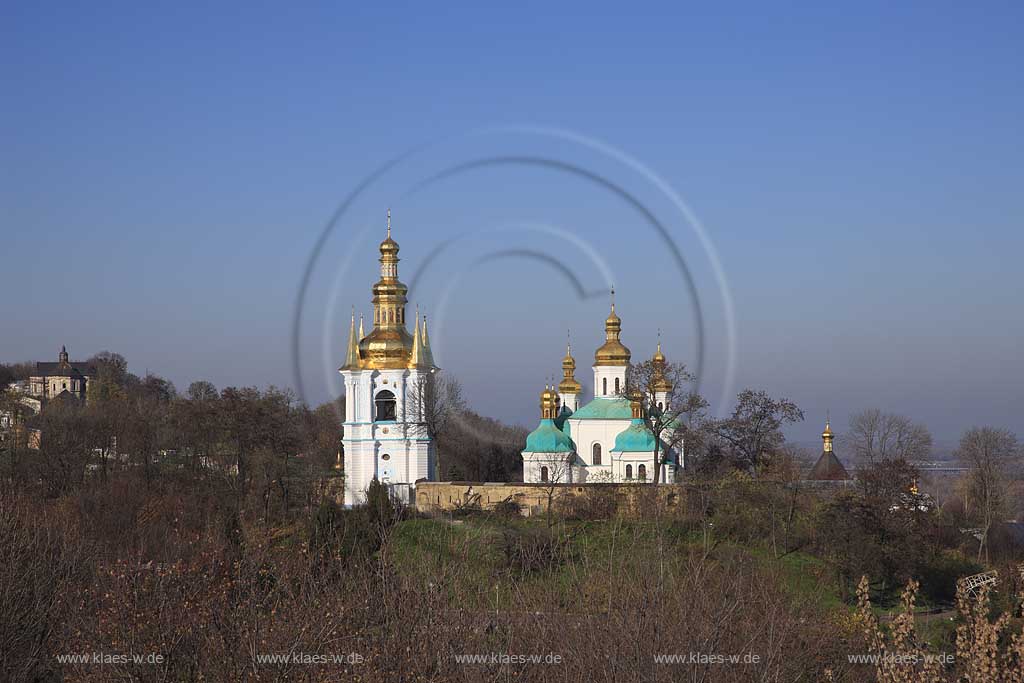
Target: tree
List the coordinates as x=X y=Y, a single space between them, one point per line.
x=672 y=411
x=754 y=429
x=433 y=401
x=110 y=367
x=988 y=452
x=875 y=435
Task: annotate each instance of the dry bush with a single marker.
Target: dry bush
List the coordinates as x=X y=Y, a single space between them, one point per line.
x=42 y=561
x=986 y=652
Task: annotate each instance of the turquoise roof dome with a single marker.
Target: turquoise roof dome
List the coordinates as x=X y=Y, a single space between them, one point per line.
x=605 y=409
x=547 y=438
x=636 y=438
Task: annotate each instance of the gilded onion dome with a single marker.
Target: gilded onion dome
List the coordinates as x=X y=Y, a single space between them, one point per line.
x=389 y=344
x=612 y=352
x=547 y=438
x=826 y=436
x=569 y=385
x=660 y=383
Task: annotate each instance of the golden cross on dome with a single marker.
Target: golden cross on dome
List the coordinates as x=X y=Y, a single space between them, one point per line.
x=613 y=299
x=389 y=222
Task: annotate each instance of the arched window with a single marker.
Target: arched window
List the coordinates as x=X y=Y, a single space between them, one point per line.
x=604 y=386
x=661 y=406
x=543 y=473
x=597 y=454
x=629 y=471
x=385 y=404
x=616 y=386
x=641 y=472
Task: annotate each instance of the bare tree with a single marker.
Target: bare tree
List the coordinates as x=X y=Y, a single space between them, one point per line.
x=755 y=427
x=875 y=435
x=672 y=411
x=988 y=452
x=432 y=403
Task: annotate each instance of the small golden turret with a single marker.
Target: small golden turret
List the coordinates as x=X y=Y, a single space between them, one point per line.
x=660 y=383
x=548 y=404
x=636 y=404
x=826 y=436
x=569 y=385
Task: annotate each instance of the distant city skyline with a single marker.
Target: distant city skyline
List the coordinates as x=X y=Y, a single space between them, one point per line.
x=857 y=171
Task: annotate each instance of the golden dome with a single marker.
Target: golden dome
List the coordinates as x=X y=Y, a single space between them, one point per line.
x=548 y=403
x=636 y=405
x=389 y=344
x=389 y=246
x=659 y=357
x=612 y=352
x=569 y=385
x=660 y=383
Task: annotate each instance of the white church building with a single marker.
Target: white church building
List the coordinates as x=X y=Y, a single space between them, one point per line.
x=385 y=437
x=606 y=440
x=384 y=433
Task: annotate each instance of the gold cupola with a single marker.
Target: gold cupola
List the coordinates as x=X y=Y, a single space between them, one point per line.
x=569 y=385
x=389 y=344
x=636 y=404
x=826 y=436
x=548 y=404
x=612 y=352
x=661 y=384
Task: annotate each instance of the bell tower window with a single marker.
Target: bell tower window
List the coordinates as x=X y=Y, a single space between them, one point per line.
x=385 y=405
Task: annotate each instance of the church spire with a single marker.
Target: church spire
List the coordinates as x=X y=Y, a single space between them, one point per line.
x=428 y=354
x=352 y=352
x=417 y=347
x=826 y=436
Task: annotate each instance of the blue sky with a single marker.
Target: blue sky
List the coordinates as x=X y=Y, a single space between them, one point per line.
x=858 y=168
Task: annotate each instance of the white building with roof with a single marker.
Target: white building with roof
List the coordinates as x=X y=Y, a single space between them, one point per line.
x=606 y=440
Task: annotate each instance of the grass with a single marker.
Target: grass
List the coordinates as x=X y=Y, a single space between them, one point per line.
x=469 y=552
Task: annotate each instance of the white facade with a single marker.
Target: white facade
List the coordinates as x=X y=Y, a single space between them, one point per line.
x=397 y=452
x=606 y=438
x=385 y=436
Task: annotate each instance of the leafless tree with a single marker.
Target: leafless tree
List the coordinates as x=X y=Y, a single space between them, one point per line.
x=875 y=435
x=754 y=429
x=672 y=411
x=434 y=400
x=988 y=452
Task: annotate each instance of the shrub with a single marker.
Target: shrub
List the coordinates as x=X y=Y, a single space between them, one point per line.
x=939 y=574
x=532 y=550
x=508 y=509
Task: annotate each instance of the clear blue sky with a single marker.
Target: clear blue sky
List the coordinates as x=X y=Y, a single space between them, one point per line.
x=166 y=172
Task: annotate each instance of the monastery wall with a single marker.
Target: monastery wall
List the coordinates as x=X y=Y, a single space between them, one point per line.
x=446 y=496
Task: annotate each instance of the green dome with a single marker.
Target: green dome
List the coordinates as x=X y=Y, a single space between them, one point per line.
x=547 y=438
x=636 y=438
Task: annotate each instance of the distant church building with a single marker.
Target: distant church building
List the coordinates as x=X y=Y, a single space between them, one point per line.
x=828 y=467
x=605 y=440
x=64 y=378
x=384 y=372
